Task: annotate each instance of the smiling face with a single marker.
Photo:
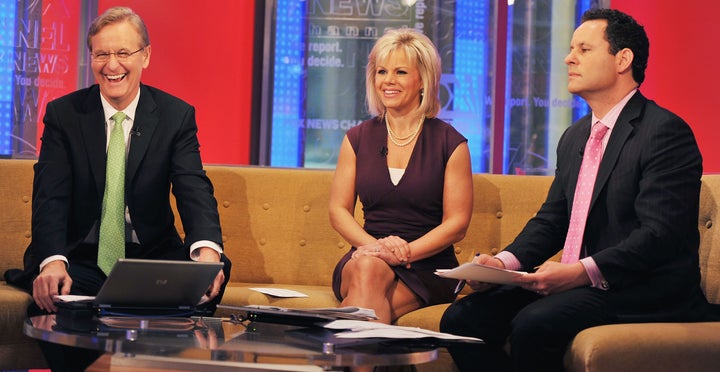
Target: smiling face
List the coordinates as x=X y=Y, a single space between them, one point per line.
x=398 y=83
x=119 y=80
x=591 y=68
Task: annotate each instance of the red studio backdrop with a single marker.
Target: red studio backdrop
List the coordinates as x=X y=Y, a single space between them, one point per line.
x=202 y=53
x=56 y=63
x=682 y=72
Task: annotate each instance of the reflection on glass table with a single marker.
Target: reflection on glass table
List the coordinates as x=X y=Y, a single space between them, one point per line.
x=222 y=343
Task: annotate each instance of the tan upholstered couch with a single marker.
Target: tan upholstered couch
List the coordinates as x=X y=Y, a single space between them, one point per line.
x=276 y=231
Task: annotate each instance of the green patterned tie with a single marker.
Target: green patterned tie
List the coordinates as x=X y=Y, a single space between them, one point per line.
x=112 y=225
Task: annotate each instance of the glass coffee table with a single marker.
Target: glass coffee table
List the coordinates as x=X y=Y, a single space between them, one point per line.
x=221 y=344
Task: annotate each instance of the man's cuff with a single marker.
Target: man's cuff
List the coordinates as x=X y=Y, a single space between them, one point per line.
x=593 y=271
x=56 y=257
x=509 y=260
x=195 y=254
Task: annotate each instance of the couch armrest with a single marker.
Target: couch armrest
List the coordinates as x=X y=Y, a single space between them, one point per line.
x=646 y=347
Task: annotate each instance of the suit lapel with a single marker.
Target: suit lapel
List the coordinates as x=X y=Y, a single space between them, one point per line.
x=621 y=132
x=146 y=120
x=92 y=128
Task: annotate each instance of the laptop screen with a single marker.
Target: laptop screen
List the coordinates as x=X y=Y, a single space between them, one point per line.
x=156 y=284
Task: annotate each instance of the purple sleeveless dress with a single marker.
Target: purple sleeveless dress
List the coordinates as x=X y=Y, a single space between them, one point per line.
x=412 y=207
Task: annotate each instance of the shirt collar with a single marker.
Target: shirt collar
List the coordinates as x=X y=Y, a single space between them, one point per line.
x=612 y=115
x=129 y=111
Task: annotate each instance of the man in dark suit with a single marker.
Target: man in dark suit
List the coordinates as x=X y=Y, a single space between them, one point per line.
x=162 y=150
x=638 y=257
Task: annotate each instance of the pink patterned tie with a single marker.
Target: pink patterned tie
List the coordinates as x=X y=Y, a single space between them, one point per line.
x=583 y=193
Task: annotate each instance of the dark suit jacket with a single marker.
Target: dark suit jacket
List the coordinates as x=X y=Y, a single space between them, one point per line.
x=70 y=177
x=642 y=224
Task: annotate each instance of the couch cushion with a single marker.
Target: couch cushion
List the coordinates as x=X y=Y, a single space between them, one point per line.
x=275 y=224
x=646 y=347
x=17 y=351
x=427 y=317
x=502 y=205
x=16 y=196
x=708 y=225
x=13 y=310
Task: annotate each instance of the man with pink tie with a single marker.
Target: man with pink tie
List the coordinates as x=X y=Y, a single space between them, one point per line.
x=623 y=207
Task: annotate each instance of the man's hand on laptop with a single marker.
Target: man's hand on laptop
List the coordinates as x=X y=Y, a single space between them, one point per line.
x=53 y=276
x=207 y=254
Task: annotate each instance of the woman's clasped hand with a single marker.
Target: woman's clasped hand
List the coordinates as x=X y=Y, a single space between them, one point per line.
x=394 y=250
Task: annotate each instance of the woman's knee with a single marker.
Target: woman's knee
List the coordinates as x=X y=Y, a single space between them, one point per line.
x=368 y=271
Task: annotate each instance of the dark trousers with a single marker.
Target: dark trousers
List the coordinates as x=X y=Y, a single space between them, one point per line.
x=538 y=329
x=87 y=280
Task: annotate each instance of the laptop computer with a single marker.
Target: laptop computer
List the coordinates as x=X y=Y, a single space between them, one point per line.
x=155 y=287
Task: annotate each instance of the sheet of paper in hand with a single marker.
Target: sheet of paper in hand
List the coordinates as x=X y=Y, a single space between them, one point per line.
x=480 y=273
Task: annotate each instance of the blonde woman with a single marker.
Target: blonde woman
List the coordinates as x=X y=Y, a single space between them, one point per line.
x=412 y=174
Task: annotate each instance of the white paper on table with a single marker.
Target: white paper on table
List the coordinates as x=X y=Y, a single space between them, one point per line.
x=72 y=298
x=279 y=292
x=480 y=273
x=362 y=329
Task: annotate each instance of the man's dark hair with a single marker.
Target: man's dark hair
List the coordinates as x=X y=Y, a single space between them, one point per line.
x=624 y=32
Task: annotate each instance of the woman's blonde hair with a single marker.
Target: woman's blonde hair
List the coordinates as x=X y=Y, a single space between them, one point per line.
x=418 y=48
